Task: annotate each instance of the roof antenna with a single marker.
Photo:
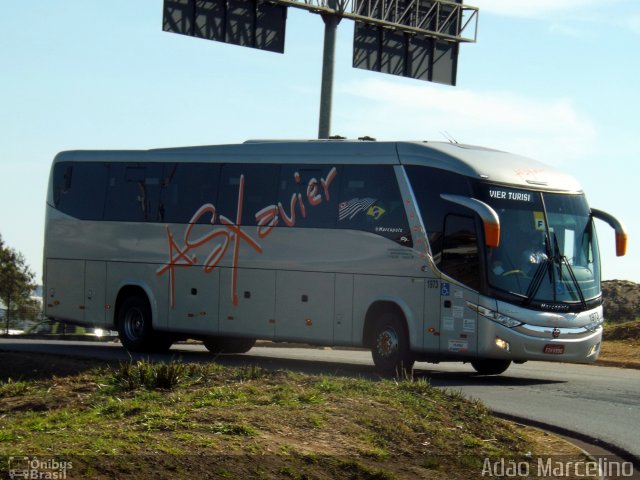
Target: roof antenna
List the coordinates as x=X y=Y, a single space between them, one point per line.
x=449 y=137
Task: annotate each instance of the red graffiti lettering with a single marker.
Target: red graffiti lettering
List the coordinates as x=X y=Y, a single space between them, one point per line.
x=226 y=232
x=313 y=197
x=267 y=218
x=327 y=183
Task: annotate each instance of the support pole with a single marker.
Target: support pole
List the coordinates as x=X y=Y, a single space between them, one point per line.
x=328 y=62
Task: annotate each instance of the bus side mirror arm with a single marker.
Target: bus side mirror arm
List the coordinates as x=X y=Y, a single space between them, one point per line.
x=618 y=227
x=488 y=215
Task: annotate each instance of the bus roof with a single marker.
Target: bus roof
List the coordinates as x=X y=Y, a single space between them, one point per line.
x=472 y=161
x=489 y=164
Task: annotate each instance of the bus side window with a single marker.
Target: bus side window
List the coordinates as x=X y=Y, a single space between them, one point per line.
x=185 y=188
x=79 y=189
x=460 y=257
x=428 y=184
x=302 y=184
x=370 y=201
x=133 y=192
x=260 y=190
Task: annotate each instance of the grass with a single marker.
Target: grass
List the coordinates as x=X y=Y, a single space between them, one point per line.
x=11 y=388
x=180 y=420
x=629 y=330
x=163 y=376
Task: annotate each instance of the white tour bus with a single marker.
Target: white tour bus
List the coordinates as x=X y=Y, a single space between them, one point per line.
x=417 y=250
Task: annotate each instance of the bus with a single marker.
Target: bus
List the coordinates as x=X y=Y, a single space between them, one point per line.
x=418 y=251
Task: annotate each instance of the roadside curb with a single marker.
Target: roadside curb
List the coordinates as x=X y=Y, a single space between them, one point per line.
x=615 y=363
x=74 y=338
x=572 y=435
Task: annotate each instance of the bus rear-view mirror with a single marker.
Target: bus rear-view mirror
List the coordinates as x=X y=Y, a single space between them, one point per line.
x=489 y=217
x=618 y=227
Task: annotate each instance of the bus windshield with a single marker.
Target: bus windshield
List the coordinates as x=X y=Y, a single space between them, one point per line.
x=548 y=253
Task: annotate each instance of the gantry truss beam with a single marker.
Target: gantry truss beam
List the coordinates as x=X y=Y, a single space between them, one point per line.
x=441 y=19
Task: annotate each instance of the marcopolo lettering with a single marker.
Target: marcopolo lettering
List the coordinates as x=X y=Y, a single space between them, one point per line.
x=389 y=230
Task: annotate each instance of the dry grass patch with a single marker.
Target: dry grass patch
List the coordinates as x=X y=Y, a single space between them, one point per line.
x=176 y=420
x=621 y=345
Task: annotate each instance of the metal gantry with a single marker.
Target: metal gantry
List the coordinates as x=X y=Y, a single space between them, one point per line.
x=412 y=38
x=441 y=19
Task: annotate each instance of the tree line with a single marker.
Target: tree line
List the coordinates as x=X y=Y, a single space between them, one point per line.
x=17 y=283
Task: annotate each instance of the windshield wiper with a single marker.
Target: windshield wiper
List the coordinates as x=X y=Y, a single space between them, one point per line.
x=547 y=266
x=538 y=275
x=534 y=286
x=563 y=259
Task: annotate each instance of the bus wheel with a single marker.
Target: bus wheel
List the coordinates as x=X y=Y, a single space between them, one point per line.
x=490 y=366
x=390 y=350
x=135 y=329
x=218 y=345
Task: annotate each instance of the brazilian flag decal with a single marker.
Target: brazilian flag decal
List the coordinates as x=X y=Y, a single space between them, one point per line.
x=376 y=212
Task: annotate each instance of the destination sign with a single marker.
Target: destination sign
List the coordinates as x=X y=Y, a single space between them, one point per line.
x=502 y=194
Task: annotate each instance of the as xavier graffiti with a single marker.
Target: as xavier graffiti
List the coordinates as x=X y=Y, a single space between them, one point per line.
x=227 y=233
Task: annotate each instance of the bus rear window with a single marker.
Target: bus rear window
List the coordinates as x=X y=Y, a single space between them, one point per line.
x=79 y=189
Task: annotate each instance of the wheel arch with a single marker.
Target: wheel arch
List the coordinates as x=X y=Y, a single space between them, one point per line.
x=384 y=305
x=134 y=289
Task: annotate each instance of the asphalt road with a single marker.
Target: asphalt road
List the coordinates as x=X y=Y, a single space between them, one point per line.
x=598 y=402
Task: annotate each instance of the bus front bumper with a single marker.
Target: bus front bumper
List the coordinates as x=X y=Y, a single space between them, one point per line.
x=527 y=342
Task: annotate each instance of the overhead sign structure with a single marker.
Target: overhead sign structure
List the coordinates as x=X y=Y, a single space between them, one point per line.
x=406 y=50
x=248 y=23
x=399 y=53
x=412 y=38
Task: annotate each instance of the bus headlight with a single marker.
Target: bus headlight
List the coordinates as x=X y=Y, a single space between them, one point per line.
x=495 y=316
x=504 y=320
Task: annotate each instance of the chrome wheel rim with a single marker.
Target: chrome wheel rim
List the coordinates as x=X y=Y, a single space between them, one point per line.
x=387 y=343
x=134 y=323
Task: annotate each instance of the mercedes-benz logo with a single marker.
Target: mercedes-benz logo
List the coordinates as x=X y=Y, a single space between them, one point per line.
x=556 y=332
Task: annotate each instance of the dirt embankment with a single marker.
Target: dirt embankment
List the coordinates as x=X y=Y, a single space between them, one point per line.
x=621 y=300
x=621 y=345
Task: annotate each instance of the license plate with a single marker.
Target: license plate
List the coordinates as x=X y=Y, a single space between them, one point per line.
x=554 y=349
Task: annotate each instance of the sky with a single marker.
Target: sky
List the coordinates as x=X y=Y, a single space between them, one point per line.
x=556 y=81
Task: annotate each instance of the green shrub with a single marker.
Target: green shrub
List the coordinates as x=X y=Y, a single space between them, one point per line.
x=146 y=374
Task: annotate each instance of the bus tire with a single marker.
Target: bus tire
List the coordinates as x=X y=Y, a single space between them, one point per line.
x=218 y=345
x=135 y=327
x=488 y=366
x=390 y=347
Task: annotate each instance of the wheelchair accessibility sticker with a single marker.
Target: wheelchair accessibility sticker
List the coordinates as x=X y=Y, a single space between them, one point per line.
x=444 y=289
